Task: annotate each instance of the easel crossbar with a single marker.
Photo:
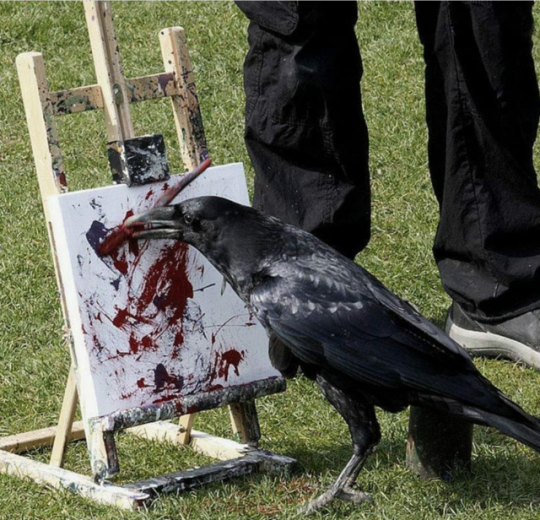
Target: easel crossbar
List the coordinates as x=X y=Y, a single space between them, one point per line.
x=82 y=99
x=254 y=461
x=188 y=404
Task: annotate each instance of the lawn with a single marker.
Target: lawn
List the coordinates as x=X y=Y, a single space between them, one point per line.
x=34 y=360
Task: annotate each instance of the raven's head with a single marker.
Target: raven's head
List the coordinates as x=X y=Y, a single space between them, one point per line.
x=227 y=233
x=197 y=221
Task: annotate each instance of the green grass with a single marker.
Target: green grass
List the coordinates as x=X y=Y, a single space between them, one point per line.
x=34 y=361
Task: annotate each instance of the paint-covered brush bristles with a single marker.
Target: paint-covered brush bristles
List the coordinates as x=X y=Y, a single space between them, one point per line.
x=118 y=235
x=114 y=239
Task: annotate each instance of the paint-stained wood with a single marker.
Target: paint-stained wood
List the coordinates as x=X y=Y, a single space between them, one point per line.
x=109 y=70
x=154 y=86
x=50 y=173
x=270 y=462
x=83 y=99
x=187 y=113
x=123 y=419
x=23 y=442
x=245 y=422
x=60 y=478
x=40 y=119
x=193 y=478
x=253 y=461
x=80 y=99
x=102 y=447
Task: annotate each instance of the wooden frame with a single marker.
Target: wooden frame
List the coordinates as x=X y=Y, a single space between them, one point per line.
x=113 y=94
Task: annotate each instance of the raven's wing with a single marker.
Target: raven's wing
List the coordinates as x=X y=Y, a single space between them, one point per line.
x=333 y=313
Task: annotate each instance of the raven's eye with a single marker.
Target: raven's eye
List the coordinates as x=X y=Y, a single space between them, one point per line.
x=188 y=218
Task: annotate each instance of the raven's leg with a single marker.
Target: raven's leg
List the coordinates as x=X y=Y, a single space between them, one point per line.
x=365 y=434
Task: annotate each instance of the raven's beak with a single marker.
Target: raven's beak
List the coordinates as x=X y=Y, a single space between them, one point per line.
x=155 y=223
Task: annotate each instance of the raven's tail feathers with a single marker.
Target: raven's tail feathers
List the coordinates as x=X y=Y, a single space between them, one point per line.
x=526 y=431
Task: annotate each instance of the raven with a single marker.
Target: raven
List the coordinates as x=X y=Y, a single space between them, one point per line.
x=360 y=343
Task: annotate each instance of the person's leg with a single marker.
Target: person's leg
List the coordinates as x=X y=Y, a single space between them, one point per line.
x=482 y=110
x=305 y=130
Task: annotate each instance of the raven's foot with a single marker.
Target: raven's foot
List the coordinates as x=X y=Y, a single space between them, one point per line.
x=354 y=495
x=347 y=493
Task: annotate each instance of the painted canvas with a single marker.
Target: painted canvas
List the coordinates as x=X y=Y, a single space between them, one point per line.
x=150 y=322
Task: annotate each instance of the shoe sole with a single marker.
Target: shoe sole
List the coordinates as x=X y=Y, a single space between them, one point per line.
x=487 y=344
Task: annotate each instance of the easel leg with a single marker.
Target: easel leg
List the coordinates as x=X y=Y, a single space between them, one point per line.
x=65 y=422
x=185 y=427
x=103 y=454
x=245 y=422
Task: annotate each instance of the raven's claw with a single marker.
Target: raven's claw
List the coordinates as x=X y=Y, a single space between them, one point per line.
x=347 y=493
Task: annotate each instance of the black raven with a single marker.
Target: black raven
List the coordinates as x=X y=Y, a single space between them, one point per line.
x=361 y=344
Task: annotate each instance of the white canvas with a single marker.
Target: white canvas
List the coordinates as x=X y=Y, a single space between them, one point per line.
x=149 y=323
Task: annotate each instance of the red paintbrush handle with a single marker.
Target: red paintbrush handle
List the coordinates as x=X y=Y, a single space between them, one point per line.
x=186 y=179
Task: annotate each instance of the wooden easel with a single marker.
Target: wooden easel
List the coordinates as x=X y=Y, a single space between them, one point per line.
x=113 y=93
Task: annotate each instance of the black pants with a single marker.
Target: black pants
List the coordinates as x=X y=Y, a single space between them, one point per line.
x=307 y=137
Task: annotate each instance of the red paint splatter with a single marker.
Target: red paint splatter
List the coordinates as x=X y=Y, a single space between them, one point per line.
x=164 y=79
x=178 y=342
x=120 y=318
x=112 y=242
x=223 y=361
x=165 y=398
x=230 y=358
x=127 y=395
x=133 y=344
x=141 y=383
x=134 y=247
x=121 y=265
x=160 y=301
x=61 y=176
x=147 y=342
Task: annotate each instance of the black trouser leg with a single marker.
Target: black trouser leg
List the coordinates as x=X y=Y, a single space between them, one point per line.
x=482 y=112
x=305 y=130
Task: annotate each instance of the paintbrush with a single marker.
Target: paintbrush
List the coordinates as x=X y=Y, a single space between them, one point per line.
x=120 y=234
